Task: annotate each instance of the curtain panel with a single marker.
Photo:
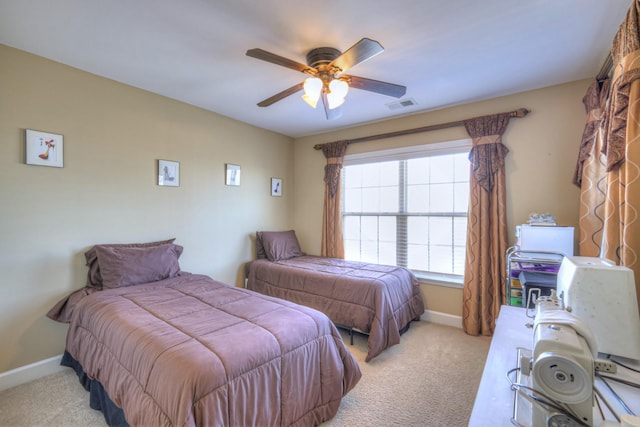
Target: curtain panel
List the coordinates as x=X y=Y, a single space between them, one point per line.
x=621 y=146
x=486 y=245
x=332 y=239
x=591 y=172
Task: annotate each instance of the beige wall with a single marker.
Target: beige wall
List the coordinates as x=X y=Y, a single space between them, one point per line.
x=107 y=191
x=544 y=147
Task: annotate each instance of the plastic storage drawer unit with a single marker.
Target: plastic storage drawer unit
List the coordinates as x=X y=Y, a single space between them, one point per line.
x=535 y=279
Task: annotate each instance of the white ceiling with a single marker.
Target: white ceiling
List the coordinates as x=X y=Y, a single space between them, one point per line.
x=445 y=52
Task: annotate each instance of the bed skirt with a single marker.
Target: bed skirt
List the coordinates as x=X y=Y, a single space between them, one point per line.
x=98 y=397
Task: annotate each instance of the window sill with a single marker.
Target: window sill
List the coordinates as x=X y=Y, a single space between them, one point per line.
x=440 y=280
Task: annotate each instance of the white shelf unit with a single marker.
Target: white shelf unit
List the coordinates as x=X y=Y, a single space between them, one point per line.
x=518 y=260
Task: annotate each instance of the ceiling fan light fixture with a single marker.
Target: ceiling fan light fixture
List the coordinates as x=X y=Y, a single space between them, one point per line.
x=311 y=101
x=325 y=70
x=334 y=101
x=337 y=91
x=312 y=89
x=339 y=88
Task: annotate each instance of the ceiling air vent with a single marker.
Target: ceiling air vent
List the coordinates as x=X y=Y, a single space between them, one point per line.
x=404 y=103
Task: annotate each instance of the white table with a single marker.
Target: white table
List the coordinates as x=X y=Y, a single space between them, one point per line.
x=494 y=400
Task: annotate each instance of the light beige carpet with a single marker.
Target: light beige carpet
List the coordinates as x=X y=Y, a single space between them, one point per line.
x=429 y=379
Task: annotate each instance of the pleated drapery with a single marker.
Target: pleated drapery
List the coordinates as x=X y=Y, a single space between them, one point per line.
x=486 y=226
x=591 y=172
x=620 y=133
x=332 y=239
x=621 y=241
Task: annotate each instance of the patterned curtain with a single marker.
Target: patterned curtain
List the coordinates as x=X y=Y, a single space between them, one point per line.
x=486 y=228
x=591 y=173
x=621 y=242
x=332 y=241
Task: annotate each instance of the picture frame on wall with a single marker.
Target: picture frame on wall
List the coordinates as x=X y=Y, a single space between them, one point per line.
x=232 y=174
x=276 y=187
x=168 y=173
x=44 y=148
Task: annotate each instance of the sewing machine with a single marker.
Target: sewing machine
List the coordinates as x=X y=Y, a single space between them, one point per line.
x=555 y=379
x=594 y=311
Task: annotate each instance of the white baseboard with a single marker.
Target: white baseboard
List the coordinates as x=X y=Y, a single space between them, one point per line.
x=442 y=318
x=31 y=372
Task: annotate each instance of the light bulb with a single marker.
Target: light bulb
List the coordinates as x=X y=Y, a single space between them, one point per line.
x=339 y=88
x=334 y=101
x=312 y=88
x=337 y=91
x=309 y=100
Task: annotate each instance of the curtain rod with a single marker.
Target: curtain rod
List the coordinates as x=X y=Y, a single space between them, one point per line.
x=606 y=69
x=520 y=112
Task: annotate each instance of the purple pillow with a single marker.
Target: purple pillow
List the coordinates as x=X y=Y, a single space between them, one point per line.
x=260 y=254
x=126 y=266
x=280 y=245
x=94 y=279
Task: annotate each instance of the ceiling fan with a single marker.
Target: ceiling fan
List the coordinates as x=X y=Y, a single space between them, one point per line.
x=326 y=67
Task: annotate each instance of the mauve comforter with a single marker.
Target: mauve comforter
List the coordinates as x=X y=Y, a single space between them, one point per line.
x=192 y=351
x=377 y=299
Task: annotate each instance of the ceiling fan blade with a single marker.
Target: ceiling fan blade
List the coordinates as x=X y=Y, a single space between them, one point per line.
x=280 y=60
x=377 y=86
x=278 y=96
x=336 y=113
x=359 y=52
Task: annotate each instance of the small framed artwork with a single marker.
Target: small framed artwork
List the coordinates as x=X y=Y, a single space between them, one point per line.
x=232 y=174
x=168 y=173
x=276 y=187
x=44 y=148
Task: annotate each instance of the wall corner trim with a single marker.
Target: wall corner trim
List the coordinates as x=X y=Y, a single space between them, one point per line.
x=27 y=373
x=442 y=318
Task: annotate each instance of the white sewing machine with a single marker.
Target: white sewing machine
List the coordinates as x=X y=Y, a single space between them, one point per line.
x=555 y=379
x=596 y=310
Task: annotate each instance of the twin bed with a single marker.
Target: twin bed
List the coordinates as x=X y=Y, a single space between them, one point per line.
x=157 y=346
x=379 y=300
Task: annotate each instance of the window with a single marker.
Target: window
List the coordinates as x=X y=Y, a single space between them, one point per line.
x=408 y=207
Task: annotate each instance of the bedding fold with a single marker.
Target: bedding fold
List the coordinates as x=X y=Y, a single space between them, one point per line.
x=190 y=351
x=379 y=300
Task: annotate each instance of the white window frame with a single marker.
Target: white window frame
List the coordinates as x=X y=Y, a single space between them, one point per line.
x=405 y=153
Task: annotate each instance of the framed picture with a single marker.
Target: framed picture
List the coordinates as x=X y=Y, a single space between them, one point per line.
x=44 y=149
x=276 y=187
x=232 y=174
x=168 y=173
